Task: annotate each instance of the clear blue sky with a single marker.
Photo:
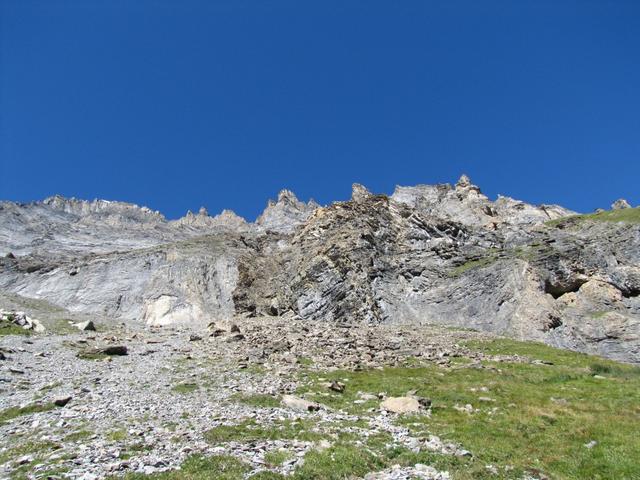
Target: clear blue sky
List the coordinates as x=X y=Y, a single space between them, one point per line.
x=178 y=104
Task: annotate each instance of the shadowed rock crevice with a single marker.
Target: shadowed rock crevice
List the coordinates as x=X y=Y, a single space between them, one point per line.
x=558 y=289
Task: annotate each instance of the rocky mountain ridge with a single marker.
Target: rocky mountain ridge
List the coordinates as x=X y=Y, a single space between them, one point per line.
x=438 y=254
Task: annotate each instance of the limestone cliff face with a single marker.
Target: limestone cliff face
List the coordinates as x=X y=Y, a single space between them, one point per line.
x=466 y=204
x=285 y=214
x=427 y=254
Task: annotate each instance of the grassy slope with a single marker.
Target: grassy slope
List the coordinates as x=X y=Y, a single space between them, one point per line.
x=626 y=215
x=538 y=423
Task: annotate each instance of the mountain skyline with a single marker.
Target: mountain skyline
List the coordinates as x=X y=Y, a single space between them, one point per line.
x=175 y=105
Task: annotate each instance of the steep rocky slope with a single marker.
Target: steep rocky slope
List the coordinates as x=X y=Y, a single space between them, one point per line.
x=427 y=254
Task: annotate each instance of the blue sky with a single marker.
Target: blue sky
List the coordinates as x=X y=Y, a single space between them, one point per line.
x=178 y=104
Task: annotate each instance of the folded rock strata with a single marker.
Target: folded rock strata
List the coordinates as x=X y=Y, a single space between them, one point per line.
x=426 y=254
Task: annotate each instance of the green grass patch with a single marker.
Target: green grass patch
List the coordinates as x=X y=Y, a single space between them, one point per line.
x=185 y=387
x=305 y=361
x=61 y=326
x=540 y=418
x=625 y=215
x=36 y=449
x=10 y=328
x=616 y=370
x=119 y=435
x=135 y=449
x=50 y=386
x=267 y=475
x=340 y=461
x=13 y=412
x=472 y=264
x=79 y=435
x=197 y=467
x=278 y=457
x=530 y=350
x=250 y=431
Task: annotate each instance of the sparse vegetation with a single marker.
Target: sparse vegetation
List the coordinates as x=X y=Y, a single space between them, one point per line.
x=13 y=412
x=60 y=326
x=267 y=475
x=472 y=264
x=539 y=417
x=117 y=435
x=340 y=461
x=219 y=467
x=35 y=449
x=251 y=431
x=305 y=361
x=185 y=387
x=78 y=435
x=277 y=457
x=625 y=215
x=7 y=327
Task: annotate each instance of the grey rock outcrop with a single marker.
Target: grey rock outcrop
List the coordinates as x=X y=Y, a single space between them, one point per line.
x=466 y=204
x=620 y=204
x=21 y=320
x=203 y=222
x=427 y=254
x=286 y=213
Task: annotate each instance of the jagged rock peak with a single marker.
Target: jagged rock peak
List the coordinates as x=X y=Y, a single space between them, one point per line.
x=98 y=206
x=285 y=214
x=359 y=192
x=287 y=196
x=229 y=217
x=464 y=183
x=226 y=213
x=620 y=204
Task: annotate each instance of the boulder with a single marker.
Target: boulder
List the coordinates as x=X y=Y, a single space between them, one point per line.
x=85 y=326
x=111 y=350
x=37 y=326
x=115 y=350
x=401 y=405
x=61 y=401
x=299 y=404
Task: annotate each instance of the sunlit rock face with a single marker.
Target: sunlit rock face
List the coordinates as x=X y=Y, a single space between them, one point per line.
x=444 y=254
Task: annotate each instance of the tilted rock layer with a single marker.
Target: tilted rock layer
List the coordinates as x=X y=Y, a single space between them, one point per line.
x=427 y=254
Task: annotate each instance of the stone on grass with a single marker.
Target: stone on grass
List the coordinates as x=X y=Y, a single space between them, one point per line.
x=337 y=386
x=85 y=326
x=300 y=404
x=401 y=405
